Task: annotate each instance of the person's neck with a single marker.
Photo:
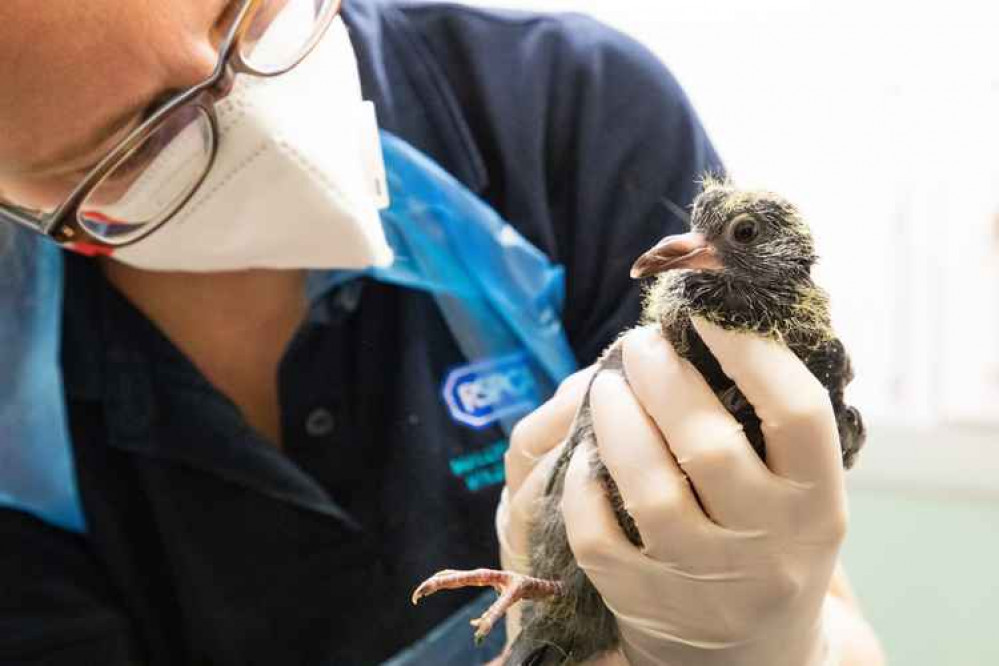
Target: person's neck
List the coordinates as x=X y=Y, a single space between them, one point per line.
x=234 y=327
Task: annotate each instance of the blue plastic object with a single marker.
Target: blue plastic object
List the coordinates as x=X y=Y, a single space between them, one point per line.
x=36 y=466
x=500 y=296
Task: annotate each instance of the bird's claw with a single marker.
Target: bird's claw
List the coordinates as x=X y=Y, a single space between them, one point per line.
x=512 y=587
x=433 y=584
x=483 y=625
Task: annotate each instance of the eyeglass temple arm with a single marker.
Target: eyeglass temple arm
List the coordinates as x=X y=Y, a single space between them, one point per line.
x=8 y=214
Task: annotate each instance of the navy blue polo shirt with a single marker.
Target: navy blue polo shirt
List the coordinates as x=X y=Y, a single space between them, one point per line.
x=207 y=545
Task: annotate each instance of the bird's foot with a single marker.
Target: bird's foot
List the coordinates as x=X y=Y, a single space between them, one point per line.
x=512 y=587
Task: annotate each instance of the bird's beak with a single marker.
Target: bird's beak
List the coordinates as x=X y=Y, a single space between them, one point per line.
x=690 y=250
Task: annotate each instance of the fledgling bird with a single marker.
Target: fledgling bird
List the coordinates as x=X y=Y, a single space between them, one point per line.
x=745 y=265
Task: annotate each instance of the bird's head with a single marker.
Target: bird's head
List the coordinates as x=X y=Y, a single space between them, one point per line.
x=739 y=235
x=746 y=252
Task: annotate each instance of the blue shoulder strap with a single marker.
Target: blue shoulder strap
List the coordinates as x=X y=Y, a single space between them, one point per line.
x=500 y=296
x=36 y=465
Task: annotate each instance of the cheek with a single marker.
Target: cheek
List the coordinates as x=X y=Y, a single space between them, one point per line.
x=37 y=194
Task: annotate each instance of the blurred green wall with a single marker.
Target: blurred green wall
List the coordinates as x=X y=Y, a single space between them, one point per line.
x=926 y=568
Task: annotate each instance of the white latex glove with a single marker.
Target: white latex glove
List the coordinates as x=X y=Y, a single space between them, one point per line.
x=736 y=575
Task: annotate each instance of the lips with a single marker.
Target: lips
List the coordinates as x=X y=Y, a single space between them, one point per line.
x=682 y=251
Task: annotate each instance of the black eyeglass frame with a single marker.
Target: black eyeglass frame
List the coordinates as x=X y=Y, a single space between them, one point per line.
x=63 y=226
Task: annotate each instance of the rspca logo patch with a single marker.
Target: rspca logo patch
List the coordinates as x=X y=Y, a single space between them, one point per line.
x=479 y=394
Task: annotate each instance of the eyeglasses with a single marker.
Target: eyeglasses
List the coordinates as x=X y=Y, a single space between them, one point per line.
x=148 y=177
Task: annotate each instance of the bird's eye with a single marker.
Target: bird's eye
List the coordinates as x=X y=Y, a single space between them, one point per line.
x=744 y=230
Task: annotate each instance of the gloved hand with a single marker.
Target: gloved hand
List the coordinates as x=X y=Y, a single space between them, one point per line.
x=738 y=554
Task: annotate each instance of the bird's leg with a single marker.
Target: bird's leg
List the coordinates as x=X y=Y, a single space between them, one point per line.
x=512 y=587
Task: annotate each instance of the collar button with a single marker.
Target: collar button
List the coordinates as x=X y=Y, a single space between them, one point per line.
x=319 y=423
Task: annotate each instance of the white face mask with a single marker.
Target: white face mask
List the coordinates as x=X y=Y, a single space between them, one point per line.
x=297 y=181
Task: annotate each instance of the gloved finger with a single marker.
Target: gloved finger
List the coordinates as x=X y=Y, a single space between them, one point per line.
x=654 y=489
x=518 y=509
x=514 y=555
x=730 y=480
x=597 y=541
x=544 y=428
x=794 y=408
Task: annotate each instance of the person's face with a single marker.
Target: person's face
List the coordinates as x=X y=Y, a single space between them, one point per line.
x=77 y=76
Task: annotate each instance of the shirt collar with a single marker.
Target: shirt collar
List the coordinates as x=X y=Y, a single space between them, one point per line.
x=114 y=355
